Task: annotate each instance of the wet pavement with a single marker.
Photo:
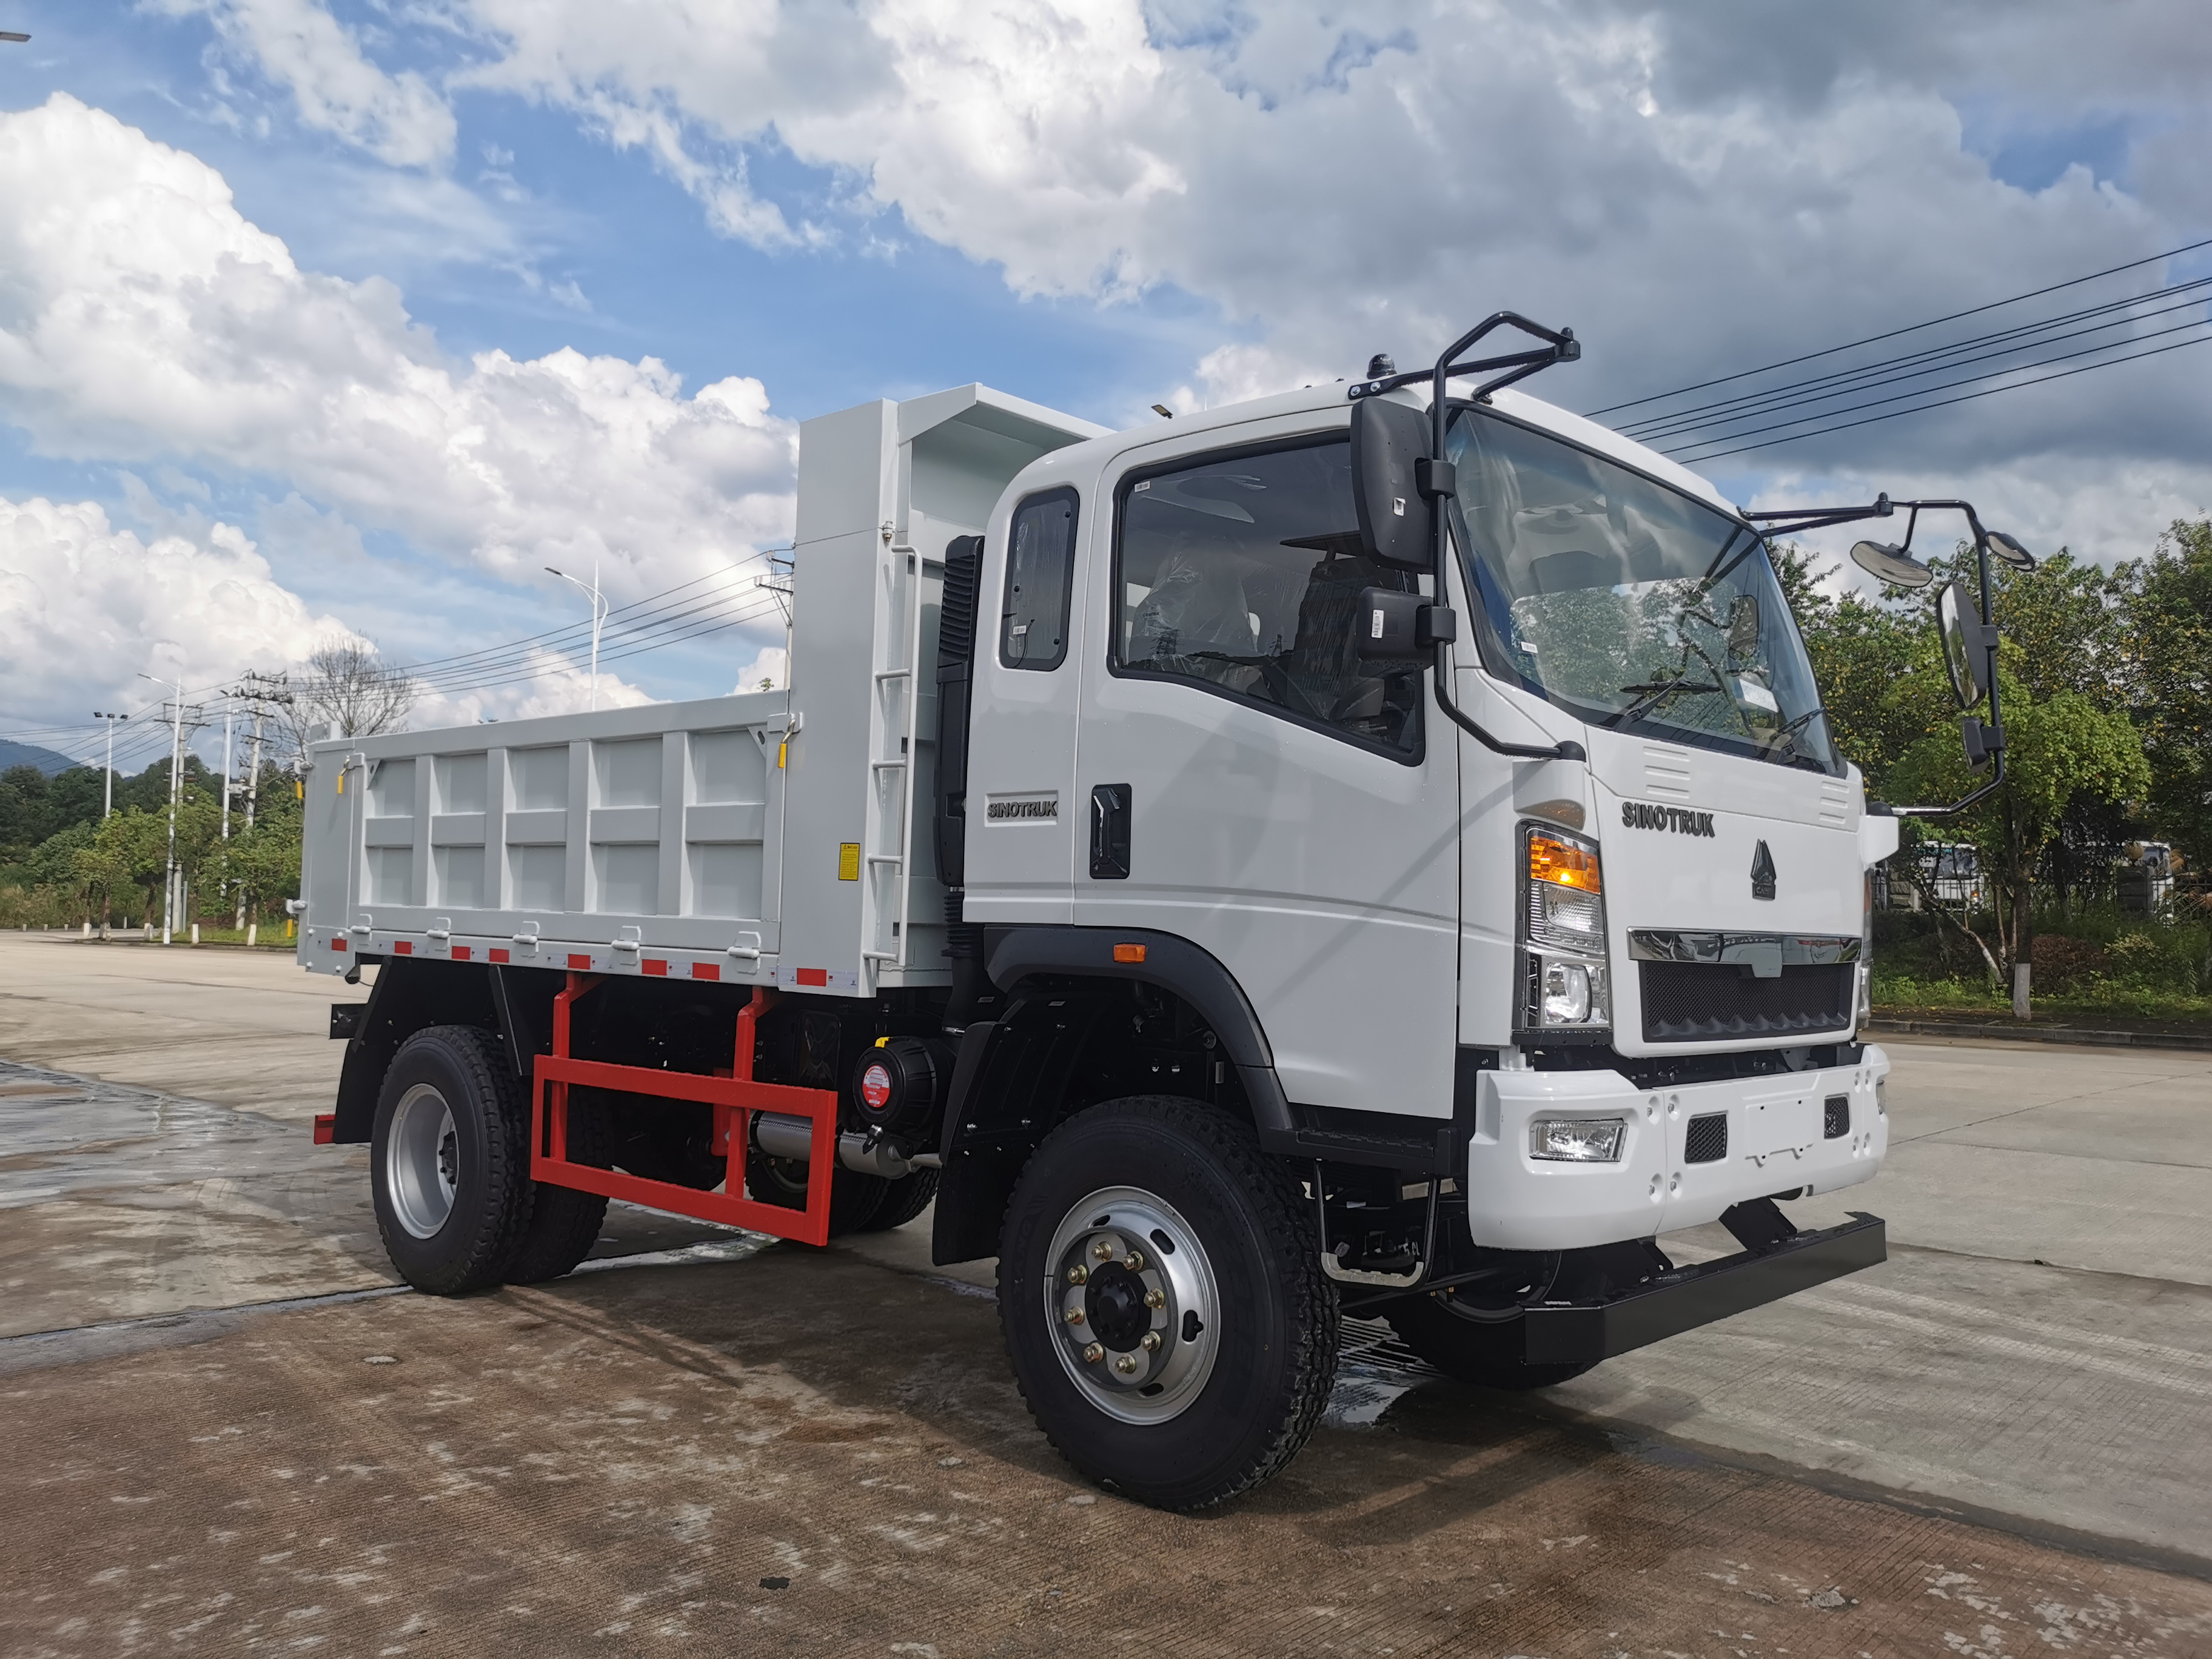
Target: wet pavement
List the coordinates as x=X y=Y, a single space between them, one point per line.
x=227 y=1433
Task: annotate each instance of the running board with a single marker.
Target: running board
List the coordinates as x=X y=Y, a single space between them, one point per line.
x=1563 y=1334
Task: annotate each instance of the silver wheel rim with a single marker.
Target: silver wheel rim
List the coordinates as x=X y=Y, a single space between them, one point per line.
x=421 y=1158
x=1130 y=1298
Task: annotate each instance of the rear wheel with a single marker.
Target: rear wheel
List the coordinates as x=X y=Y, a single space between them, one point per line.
x=1473 y=1343
x=1160 y=1291
x=903 y=1200
x=564 y=1224
x=449 y=1160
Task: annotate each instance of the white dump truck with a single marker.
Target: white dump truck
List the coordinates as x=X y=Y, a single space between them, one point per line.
x=1372 y=849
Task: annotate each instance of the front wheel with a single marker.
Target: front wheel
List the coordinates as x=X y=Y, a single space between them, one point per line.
x=1161 y=1294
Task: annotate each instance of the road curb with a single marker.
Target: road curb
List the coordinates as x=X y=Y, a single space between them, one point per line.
x=2069 y=1034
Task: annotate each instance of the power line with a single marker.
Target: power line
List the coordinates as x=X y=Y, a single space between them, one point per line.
x=1842 y=381
x=1991 y=375
x=1894 y=333
x=1968 y=397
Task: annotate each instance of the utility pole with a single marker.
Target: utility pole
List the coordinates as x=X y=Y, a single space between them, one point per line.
x=107 y=806
x=262 y=692
x=172 y=889
x=598 y=617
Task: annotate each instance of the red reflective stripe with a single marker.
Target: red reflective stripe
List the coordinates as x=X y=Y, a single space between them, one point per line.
x=326 y=1129
x=337 y=945
x=812 y=976
x=498 y=954
x=461 y=953
x=706 y=971
x=405 y=947
x=581 y=965
x=653 y=966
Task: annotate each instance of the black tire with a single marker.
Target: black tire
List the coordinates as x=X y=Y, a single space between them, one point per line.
x=564 y=1224
x=853 y=1197
x=461 y=1125
x=1486 y=1353
x=903 y=1200
x=1239 y=1411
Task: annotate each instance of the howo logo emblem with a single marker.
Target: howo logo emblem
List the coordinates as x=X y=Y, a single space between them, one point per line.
x=1637 y=816
x=1762 y=873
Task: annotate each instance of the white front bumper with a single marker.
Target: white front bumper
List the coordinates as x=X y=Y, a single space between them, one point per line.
x=1776 y=1144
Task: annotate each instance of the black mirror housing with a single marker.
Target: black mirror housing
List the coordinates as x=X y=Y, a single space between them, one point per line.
x=1400 y=628
x=1388 y=441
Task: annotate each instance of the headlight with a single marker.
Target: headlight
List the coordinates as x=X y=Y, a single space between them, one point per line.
x=1578 y=1139
x=1562 y=928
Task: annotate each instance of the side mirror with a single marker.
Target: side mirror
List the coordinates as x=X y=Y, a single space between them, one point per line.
x=2008 y=549
x=1964 y=643
x=1743 y=626
x=1892 y=564
x=1388 y=440
x=1399 y=630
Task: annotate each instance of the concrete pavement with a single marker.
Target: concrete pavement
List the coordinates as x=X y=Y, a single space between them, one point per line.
x=1964 y=1449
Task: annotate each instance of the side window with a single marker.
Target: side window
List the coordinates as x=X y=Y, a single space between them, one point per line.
x=1242 y=573
x=1040 y=576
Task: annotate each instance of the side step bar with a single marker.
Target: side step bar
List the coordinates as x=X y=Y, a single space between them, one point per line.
x=1567 y=1334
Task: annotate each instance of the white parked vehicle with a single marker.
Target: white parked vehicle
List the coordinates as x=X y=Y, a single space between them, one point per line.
x=1246 y=869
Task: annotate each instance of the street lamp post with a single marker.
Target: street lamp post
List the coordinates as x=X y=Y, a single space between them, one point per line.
x=108 y=805
x=598 y=617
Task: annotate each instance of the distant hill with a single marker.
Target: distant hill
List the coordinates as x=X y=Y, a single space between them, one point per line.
x=24 y=754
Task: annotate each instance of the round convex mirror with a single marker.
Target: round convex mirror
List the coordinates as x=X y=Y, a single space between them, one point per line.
x=2008 y=549
x=1960 y=625
x=1892 y=564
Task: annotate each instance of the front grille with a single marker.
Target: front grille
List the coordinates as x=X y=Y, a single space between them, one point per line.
x=1684 y=1001
x=1706 y=1141
x=1836 y=1117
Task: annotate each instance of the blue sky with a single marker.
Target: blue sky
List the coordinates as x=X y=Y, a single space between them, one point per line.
x=1096 y=207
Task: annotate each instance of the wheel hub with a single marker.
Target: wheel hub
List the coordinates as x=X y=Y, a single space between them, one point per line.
x=422 y=1161
x=1131 y=1298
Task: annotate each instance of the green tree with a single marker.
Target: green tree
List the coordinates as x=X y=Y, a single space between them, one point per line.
x=2060 y=748
x=2165 y=639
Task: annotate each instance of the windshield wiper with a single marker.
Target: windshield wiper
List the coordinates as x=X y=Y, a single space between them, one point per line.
x=1656 y=693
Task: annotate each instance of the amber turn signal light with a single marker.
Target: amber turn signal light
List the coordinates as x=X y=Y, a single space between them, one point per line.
x=1564 y=864
x=1129 y=953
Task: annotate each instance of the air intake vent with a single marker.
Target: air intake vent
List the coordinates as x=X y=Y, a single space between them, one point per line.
x=1836 y=1117
x=1685 y=1002
x=1706 y=1141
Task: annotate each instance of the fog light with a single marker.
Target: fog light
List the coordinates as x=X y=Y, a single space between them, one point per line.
x=1567 y=993
x=1578 y=1139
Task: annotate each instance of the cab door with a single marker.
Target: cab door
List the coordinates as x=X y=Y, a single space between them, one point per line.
x=1246 y=782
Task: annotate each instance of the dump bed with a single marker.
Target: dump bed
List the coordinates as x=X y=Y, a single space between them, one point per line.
x=772 y=837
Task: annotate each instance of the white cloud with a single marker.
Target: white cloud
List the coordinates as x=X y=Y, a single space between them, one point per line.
x=143 y=317
x=1693 y=189
x=397 y=118
x=86 y=608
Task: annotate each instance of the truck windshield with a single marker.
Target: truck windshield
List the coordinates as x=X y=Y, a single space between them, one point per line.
x=1628 y=604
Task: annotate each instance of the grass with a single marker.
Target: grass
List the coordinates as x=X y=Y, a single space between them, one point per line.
x=2106 y=967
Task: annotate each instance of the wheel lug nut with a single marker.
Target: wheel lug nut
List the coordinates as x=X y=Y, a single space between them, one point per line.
x=1075 y=1315
x=1103 y=1250
x=1078 y=1274
x=1151 y=1343
x=1156 y=1299
x=1134 y=1261
x=1094 y=1353
x=1125 y=1362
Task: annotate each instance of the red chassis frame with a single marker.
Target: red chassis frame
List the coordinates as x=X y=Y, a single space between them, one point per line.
x=734 y=1098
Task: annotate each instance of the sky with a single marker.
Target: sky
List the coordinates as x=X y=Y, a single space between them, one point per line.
x=324 y=321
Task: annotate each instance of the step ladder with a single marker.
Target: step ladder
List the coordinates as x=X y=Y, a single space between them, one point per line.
x=894 y=734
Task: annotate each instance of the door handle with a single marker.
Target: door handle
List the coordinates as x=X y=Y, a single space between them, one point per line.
x=1109 y=832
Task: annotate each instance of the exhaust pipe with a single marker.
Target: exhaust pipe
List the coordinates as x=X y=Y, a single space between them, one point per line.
x=782 y=1135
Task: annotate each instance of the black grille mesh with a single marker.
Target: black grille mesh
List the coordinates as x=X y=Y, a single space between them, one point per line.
x=1684 y=1001
x=1836 y=1117
x=1706 y=1141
